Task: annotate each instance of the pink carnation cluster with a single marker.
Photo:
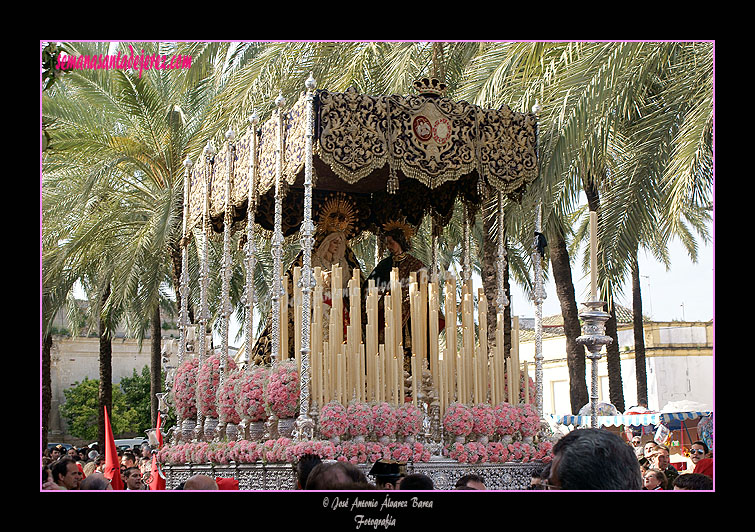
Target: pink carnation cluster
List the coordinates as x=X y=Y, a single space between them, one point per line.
x=458 y=419
x=360 y=418
x=285 y=450
x=484 y=419
x=333 y=420
x=324 y=449
x=507 y=419
x=227 y=398
x=529 y=420
x=469 y=453
x=283 y=390
x=184 y=389
x=384 y=420
x=409 y=420
x=251 y=393
x=208 y=381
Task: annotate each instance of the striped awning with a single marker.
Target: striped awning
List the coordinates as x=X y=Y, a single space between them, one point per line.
x=650 y=418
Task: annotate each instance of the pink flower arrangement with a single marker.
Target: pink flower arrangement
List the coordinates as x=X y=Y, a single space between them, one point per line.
x=208 y=381
x=484 y=419
x=333 y=420
x=507 y=419
x=529 y=420
x=353 y=452
x=227 y=398
x=184 y=389
x=285 y=450
x=324 y=449
x=458 y=419
x=283 y=389
x=384 y=420
x=543 y=452
x=469 y=453
x=409 y=420
x=360 y=418
x=497 y=452
x=520 y=451
x=251 y=394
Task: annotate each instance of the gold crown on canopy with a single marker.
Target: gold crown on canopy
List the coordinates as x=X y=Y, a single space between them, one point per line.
x=431 y=86
x=401 y=225
x=337 y=214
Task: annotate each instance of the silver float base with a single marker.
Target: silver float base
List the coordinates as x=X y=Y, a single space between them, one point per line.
x=282 y=477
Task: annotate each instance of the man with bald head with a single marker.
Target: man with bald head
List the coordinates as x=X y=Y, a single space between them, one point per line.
x=200 y=483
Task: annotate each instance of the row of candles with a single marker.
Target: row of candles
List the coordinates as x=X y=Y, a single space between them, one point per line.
x=346 y=365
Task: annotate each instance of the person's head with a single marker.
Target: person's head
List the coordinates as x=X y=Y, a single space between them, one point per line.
x=636 y=441
x=693 y=481
x=89 y=468
x=304 y=468
x=698 y=451
x=593 y=459
x=332 y=247
x=133 y=478
x=96 y=481
x=416 y=482
x=396 y=241
x=128 y=459
x=66 y=473
x=73 y=453
x=649 y=448
x=387 y=474
x=335 y=476
x=661 y=458
x=146 y=450
x=654 y=479
x=200 y=483
x=472 y=481
x=56 y=452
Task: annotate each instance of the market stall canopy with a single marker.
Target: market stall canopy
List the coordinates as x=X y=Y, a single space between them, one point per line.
x=634 y=420
x=396 y=156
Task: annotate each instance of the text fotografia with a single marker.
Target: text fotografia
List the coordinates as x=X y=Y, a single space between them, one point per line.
x=132 y=61
x=385 y=504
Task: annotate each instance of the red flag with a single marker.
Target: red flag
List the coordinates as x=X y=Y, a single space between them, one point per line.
x=112 y=466
x=156 y=481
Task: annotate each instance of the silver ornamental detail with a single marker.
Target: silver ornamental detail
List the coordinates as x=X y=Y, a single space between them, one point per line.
x=501 y=300
x=204 y=313
x=594 y=338
x=251 y=251
x=538 y=296
x=304 y=423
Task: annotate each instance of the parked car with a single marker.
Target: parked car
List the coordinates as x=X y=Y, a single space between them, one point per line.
x=130 y=443
x=127 y=443
x=66 y=446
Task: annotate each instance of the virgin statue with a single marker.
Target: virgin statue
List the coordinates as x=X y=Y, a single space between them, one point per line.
x=335 y=224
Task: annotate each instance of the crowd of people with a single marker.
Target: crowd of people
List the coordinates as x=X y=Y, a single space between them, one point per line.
x=83 y=468
x=596 y=459
x=584 y=459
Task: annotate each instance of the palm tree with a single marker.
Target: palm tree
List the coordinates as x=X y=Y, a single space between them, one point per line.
x=130 y=136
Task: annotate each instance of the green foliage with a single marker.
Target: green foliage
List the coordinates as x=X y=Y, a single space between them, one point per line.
x=130 y=412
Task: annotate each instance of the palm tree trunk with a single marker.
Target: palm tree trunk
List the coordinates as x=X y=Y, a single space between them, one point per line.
x=639 y=337
x=613 y=358
x=155 y=381
x=575 y=353
x=106 y=371
x=46 y=387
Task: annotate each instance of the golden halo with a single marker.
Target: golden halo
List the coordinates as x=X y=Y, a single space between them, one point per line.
x=401 y=225
x=337 y=214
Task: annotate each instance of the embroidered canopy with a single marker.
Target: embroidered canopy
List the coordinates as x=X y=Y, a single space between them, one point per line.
x=395 y=156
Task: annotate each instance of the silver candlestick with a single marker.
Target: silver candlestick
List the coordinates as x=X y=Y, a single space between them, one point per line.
x=594 y=338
